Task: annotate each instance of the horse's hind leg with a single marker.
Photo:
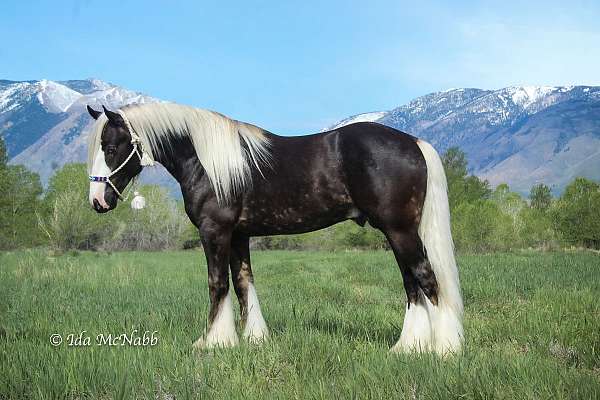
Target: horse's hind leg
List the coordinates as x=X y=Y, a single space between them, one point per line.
x=255 y=328
x=421 y=292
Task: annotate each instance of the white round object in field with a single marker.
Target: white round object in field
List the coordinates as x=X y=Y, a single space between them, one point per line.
x=138 y=201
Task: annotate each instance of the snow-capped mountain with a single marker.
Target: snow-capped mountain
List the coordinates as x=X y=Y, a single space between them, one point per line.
x=45 y=123
x=366 y=117
x=518 y=135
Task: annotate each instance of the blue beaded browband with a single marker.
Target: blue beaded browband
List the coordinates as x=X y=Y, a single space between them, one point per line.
x=99 y=178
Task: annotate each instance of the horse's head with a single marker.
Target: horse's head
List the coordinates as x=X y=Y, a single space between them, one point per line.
x=114 y=164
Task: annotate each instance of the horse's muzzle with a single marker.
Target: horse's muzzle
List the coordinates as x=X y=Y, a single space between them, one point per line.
x=99 y=208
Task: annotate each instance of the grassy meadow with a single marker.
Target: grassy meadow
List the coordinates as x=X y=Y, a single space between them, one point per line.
x=532 y=328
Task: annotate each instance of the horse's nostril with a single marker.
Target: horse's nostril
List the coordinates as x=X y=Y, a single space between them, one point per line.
x=97 y=205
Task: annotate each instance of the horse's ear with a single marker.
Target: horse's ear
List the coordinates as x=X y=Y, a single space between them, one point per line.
x=113 y=117
x=95 y=114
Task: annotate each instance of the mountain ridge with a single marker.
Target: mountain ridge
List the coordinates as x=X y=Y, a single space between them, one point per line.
x=520 y=135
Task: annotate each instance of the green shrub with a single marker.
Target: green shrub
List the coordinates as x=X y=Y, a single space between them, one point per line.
x=160 y=225
x=481 y=226
x=536 y=230
x=70 y=223
x=576 y=214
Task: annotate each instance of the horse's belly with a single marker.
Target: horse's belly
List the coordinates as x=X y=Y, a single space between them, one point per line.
x=262 y=222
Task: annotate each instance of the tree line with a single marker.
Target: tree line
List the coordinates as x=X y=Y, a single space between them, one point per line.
x=483 y=219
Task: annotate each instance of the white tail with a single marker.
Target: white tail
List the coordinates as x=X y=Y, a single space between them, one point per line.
x=434 y=231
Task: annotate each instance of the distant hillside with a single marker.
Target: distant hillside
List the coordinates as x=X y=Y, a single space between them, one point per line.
x=518 y=135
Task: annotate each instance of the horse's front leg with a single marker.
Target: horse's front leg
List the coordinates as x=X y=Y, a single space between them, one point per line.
x=221 y=324
x=255 y=328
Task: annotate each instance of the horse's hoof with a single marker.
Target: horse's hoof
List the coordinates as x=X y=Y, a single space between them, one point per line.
x=256 y=339
x=199 y=344
x=257 y=334
x=213 y=343
x=413 y=348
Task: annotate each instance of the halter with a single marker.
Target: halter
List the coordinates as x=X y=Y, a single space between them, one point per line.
x=144 y=157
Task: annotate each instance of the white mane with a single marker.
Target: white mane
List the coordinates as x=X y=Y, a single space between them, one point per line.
x=216 y=139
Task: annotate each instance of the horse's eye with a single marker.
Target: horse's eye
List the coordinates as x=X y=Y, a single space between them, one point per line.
x=110 y=150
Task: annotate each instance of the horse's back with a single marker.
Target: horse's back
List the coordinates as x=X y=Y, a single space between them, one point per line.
x=377 y=137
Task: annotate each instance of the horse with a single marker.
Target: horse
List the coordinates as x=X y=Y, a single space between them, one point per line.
x=240 y=181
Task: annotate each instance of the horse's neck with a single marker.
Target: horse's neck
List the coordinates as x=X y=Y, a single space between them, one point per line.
x=180 y=159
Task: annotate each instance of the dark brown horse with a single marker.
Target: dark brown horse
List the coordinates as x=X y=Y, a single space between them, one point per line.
x=240 y=181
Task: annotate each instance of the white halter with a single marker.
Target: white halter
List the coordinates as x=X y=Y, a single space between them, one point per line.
x=145 y=159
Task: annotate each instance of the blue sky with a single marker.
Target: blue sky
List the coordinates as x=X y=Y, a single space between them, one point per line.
x=297 y=66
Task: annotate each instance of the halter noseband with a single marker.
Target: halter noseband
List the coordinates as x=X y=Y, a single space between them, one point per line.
x=145 y=159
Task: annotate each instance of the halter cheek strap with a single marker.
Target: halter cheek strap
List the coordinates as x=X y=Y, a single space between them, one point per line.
x=145 y=159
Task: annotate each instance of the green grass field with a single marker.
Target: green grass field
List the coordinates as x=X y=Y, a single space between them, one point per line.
x=532 y=328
